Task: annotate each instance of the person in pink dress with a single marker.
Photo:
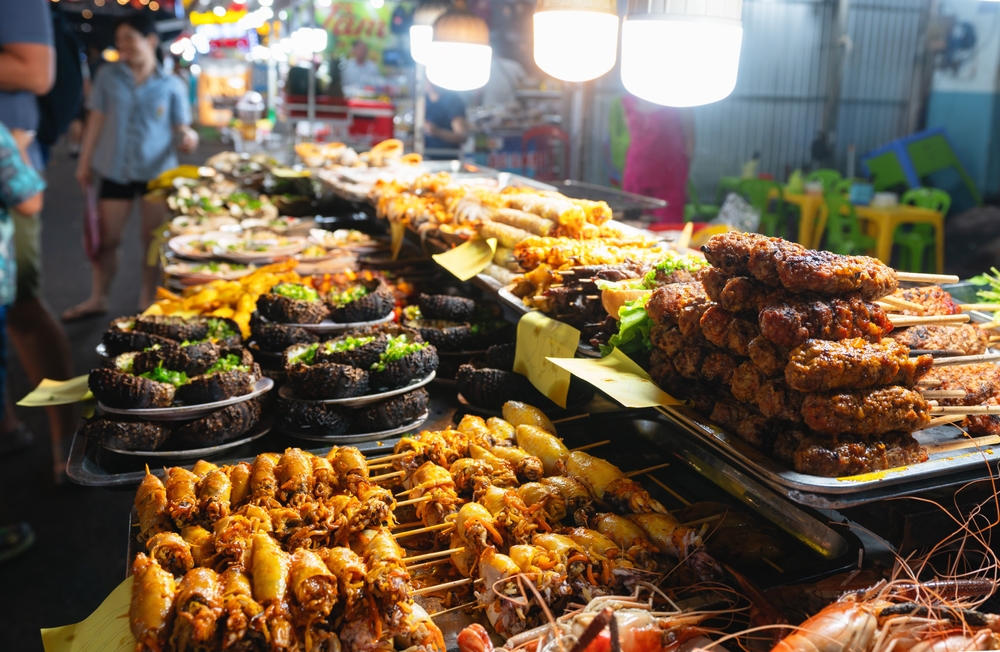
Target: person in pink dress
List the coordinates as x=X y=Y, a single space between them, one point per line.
x=661 y=146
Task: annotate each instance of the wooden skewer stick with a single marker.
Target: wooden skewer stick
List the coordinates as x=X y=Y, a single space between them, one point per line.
x=432 y=555
x=966 y=359
x=972 y=442
x=632 y=474
x=994 y=338
x=942 y=421
x=684 y=239
x=687 y=503
x=467 y=605
x=424 y=530
x=966 y=409
x=985 y=307
x=423 y=499
x=387 y=476
x=429 y=564
x=901 y=321
x=929 y=383
x=445 y=586
x=772 y=564
x=400 y=526
x=378 y=467
x=387 y=458
x=889 y=307
x=943 y=393
x=572 y=418
x=932 y=279
x=589 y=446
x=713 y=517
x=903 y=303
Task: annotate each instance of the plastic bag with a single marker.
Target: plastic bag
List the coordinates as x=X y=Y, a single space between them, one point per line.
x=738 y=214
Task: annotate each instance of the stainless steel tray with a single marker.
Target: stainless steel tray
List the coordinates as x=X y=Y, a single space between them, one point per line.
x=835 y=493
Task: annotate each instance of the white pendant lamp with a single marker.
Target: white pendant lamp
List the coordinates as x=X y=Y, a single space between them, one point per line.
x=422 y=29
x=681 y=52
x=459 y=55
x=576 y=40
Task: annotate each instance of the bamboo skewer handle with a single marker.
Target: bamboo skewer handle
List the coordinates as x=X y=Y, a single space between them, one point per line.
x=589 y=446
x=943 y=421
x=985 y=307
x=423 y=499
x=966 y=359
x=966 y=409
x=424 y=530
x=903 y=303
x=445 y=586
x=933 y=279
x=387 y=476
x=943 y=393
x=467 y=605
x=432 y=555
x=973 y=442
x=632 y=474
x=902 y=321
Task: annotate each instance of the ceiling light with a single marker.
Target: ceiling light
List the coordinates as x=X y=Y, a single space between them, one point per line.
x=681 y=52
x=576 y=40
x=378 y=4
x=459 y=55
x=422 y=30
x=219 y=11
x=265 y=3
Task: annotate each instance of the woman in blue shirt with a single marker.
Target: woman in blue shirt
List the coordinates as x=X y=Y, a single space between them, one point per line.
x=136 y=111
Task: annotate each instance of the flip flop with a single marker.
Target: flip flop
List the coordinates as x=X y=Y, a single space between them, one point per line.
x=78 y=314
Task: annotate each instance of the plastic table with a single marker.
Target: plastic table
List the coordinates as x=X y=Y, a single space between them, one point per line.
x=810 y=207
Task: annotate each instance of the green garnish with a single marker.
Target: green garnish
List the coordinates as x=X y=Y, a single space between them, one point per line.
x=155 y=347
x=230 y=362
x=245 y=200
x=161 y=375
x=307 y=356
x=192 y=342
x=125 y=362
x=399 y=347
x=295 y=291
x=346 y=344
x=220 y=329
x=412 y=313
x=353 y=293
x=673 y=263
x=633 y=329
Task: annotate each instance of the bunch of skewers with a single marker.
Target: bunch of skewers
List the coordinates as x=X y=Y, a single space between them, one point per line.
x=787 y=348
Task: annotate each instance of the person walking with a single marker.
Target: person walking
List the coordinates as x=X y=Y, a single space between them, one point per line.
x=139 y=117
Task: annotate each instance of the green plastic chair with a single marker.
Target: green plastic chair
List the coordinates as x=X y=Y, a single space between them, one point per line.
x=828 y=177
x=843 y=229
x=933 y=154
x=756 y=192
x=915 y=241
x=886 y=171
x=695 y=211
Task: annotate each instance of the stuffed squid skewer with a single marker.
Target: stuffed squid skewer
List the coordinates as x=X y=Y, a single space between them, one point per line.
x=477 y=528
x=239 y=609
x=294 y=477
x=575 y=495
x=316 y=591
x=215 y=495
x=607 y=483
x=182 y=497
x=500 y=596
x=151 y=611
x=627 y=535
x=198 y=608
x=151 y=507
x=545 y=446
x=269 y=567
x=239 y=480
x=171 y=552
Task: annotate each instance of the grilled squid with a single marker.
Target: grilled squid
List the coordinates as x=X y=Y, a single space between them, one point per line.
x=609 y=565
x=521 y=414
x=437 y=483
x=546 y=570
x=387 y=579
x=418 y=630
x=171 y=552
x=182 y=497
x=501 y=471
x=350 y=571
x=578 y=500
x=202 y=468
x=528 y=468
x=569 y=552
x=294 y=476
x=151 y=611
x=540 y=496
x=263 y=482
x=502 y=432
x=462 y=557
x=477 y=528
x=151 y=507
x=469 y=473
x=239 y=609
x=351 y=468
x=668 y=534
x=324 y=477
x=316 y=590
x=516 y=522
x=545 y=446
x=239 y=481
x=269 y=568
x=233 y=542
x=607 y=483
x=500 y=596
x=476 y=430
x=628 y=536
x=215 y=495
x=198 y=608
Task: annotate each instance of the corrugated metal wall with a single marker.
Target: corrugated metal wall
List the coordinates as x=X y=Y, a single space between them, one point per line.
x=777 y=106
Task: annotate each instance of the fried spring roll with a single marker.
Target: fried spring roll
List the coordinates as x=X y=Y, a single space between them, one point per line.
x=198 y=607
x=506 y=235
x=151 y=506
x=294 y=476
x=182 y=496
x=171 y=552
x=529 y=222
x=214 y=495
x=239 y=478
x=201 y=542
x=239 y=609
x=151 y=612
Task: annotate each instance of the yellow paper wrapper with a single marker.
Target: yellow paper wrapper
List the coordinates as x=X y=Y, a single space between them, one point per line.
x=105 y=630
x=467 y=260
x=620 y=378
x=58 y=392
x=396 y=232
x=538 y=340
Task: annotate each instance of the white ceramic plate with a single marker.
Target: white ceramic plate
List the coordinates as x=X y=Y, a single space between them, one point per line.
x=181 y=245
x=262 y=428
x=294 y=246
x=329 y=239
x=327 y=326
x=359 y=438
x=186 y=412
x=186 y=272
x=358 y=401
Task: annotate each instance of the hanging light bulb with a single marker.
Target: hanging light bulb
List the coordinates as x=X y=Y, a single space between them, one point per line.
x=681 y=52
x=459 y=55
x=422 y=30
x=576 y=40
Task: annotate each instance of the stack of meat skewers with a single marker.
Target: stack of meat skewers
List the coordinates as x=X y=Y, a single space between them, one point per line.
x=787 y=348
x=303 y=552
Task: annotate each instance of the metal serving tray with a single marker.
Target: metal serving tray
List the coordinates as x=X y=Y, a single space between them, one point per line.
x=815 y=547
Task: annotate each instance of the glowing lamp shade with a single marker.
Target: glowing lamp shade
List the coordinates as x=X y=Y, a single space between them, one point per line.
x=683 y=57
x=422 y=30
x=575 y=45
x=459 y=55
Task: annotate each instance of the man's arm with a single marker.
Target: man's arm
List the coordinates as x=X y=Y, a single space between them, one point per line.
x=456 y=136
x=27 y=67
